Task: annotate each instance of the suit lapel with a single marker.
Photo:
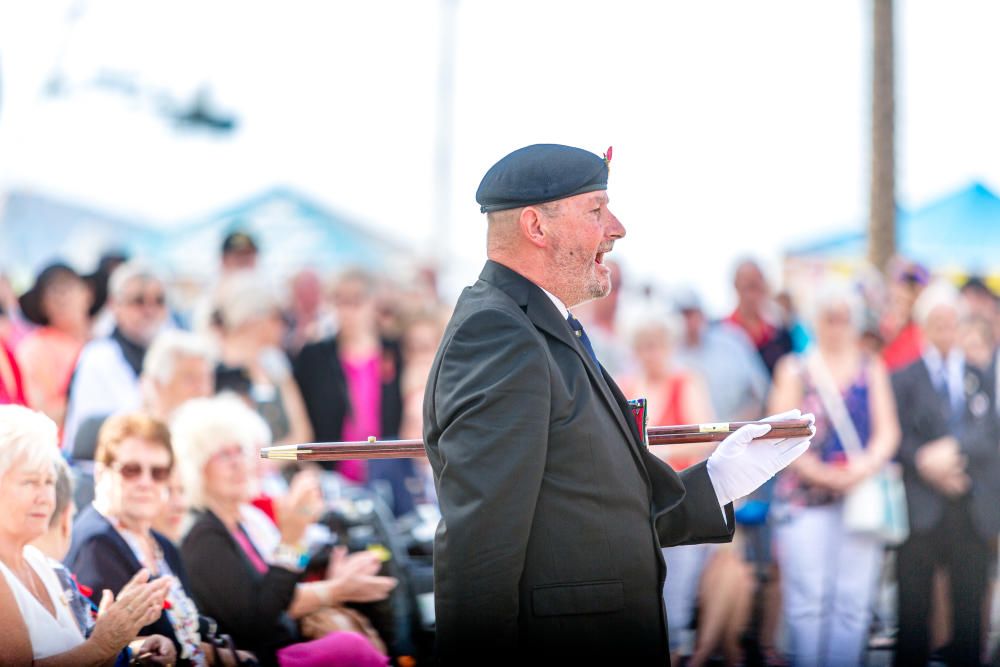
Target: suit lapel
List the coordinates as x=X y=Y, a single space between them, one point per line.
x=544 y=315
x=935 y=399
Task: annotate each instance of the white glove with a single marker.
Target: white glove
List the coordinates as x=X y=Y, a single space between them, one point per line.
x=741 y=463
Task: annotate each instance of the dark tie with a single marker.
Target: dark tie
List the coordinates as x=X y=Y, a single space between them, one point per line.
x=951 y=409
x=943 y=390
x=577 y=328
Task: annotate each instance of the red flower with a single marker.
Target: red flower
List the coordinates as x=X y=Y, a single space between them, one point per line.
x=86 y=590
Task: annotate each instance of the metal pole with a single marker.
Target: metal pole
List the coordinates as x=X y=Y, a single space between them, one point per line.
x=441 y=224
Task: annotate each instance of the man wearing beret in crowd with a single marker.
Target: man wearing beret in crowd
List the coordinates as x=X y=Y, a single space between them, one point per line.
x=553 y=510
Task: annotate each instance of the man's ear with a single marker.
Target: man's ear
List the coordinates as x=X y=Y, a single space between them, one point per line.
x=532 y=224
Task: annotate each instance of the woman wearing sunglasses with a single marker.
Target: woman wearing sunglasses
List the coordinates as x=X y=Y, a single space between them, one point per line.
x=113 y=538
x=39 y=627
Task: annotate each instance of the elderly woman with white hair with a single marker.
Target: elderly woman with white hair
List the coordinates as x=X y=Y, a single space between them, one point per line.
x=251 y=331
x=828 y=572
x=244 y=572
x=39 y=627
x=178 y=366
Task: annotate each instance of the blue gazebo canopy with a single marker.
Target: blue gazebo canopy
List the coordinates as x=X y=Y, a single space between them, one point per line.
x=291 y=228
x=958 y=231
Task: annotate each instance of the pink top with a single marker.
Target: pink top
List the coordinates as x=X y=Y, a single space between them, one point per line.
x=47 y=357
x=364 y=386
x=249 y=550
x=11 y=386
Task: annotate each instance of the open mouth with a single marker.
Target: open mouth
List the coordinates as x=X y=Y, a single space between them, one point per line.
x=599 y=257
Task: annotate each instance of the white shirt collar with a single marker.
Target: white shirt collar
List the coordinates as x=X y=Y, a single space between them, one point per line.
x=563 y=310
x=952 y=366
x=936 y=362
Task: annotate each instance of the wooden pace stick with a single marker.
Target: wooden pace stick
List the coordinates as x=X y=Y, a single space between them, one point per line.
x=411 y=449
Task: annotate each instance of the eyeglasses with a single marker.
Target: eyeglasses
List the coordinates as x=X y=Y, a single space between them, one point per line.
x=132 y=471
x=159 y=300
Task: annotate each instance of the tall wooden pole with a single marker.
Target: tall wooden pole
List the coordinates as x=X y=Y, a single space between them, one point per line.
x=882 y=212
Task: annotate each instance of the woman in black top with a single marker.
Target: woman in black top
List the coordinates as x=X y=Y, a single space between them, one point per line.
x=244 y=571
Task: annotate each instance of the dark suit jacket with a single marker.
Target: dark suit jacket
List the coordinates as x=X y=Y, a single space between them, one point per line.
x=246 y=604
x=922 y=418
x=101 y=558
x=324 y=388
x=553 y=513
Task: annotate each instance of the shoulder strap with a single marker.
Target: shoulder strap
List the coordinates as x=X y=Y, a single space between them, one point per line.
x=833 y=403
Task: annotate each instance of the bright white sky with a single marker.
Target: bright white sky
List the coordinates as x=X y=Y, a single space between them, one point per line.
x=738 y=128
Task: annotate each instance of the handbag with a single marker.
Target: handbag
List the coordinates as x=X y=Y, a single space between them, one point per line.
x=876 y=506
x=222 y=645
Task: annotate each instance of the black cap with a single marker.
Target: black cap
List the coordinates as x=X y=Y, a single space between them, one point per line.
x=977 y=284
x=238 y=241
x=541 y=173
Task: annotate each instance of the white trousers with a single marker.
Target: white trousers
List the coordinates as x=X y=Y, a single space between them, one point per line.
x=680 y=591
x=828 y=579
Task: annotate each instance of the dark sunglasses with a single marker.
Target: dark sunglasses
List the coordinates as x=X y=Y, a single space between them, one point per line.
x=134 y=471
x=140 y=300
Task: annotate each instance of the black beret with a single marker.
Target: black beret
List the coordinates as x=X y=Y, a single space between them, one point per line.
x=541 y=173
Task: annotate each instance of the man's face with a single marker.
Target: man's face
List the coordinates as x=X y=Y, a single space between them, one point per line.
x=694 y=319
x=583 y=229
x=239 y=260
x=979 y=303
x=941 y=327
x=307 y=292
x=141 y=310
x=751 y=287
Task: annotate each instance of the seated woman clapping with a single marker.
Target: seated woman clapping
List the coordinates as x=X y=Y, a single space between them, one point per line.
x=39 y=628
x=54 y=544
x=113 y=538
x=248 y=583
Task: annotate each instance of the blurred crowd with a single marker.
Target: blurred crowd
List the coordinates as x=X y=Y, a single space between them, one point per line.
x=140 y=523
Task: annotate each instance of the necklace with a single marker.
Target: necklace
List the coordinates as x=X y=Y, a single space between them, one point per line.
x=148 y=552
x=27 y=576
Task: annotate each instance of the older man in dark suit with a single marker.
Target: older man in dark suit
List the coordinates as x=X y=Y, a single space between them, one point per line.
x=553 y=511
x=951 y=469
